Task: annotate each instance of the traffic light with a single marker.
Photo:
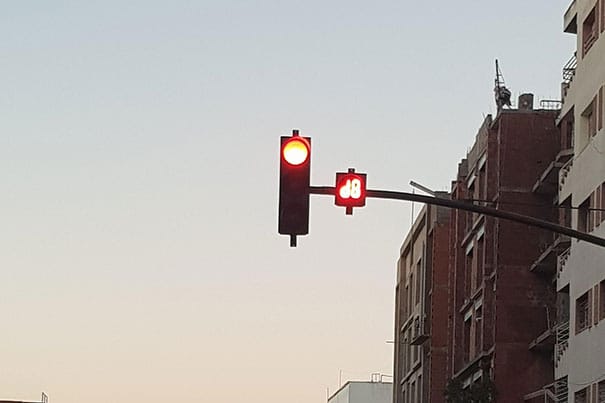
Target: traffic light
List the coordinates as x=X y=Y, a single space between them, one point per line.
x=294 y=180
x=350 y=190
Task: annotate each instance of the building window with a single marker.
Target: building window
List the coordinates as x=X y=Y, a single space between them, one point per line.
x=602 y=190
x=482 y=183
x=592 y=213
x=413 y=393
x=467 y=339
x=602 y=301
x=567 y=140
x=418 y=278
x=589 y=119
x=583 y=215
x=480 y=262
x=590 y=31
x=601 y=392
x=406 y=305
x=597 y=205
x=478 y=329
x=412 y=291
x=419 y=389
x=583 y=312
x=581 y=396
x=565 y=213
x=469 y=271
x=415 y=354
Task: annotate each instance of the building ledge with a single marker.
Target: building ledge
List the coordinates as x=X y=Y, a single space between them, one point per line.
x=544 y=342
x=470 y=234
x=419 y=339
x=570 y=19
x=468 y=367
x=548 y=181
x=564 y=155
x=547 y=391
x=547 y=261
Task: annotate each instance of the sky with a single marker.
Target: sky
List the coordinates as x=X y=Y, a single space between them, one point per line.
x=139 y=163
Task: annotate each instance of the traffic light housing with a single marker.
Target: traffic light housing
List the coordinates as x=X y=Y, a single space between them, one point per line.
x=294 y=181
x=350 y=190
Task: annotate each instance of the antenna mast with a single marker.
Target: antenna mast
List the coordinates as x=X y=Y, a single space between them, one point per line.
x=501 y=93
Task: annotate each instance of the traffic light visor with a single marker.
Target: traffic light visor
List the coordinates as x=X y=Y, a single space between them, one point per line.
x=296 y=151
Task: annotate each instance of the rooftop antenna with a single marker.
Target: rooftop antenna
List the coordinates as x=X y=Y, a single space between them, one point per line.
x=501 y=93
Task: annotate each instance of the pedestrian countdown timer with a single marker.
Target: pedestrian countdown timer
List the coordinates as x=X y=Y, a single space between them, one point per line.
x=350 y=190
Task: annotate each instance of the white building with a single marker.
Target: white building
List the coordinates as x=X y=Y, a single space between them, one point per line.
x=363 y=392
x=580 y=337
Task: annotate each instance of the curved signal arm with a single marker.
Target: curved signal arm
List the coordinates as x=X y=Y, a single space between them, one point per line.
x=463 y=205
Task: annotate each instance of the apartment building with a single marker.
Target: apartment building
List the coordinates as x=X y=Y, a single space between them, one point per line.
x=499 y=303
x=421 y=298
x=363 y=392
x=580 y=269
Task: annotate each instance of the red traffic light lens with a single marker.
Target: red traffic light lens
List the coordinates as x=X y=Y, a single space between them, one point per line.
x=296 y=151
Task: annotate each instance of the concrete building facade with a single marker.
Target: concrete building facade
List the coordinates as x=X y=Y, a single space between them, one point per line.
x=580 y=269
x=421 y=298
x=363 y=392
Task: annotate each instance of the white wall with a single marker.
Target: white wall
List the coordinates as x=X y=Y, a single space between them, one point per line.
x=364 y=392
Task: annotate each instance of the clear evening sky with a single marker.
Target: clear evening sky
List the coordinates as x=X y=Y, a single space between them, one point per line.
x=139 y=140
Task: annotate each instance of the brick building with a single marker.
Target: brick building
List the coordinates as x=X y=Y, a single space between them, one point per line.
x=421 y=309
x=497 y=306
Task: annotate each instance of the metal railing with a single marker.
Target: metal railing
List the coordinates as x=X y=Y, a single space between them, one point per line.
x=563 y=172
x=562 y=339
x=550 y=104
x=561 y=260
x=561 y=390
x=569 y=70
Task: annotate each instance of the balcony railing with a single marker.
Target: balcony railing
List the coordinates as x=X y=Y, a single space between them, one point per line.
x=563 y=172
x=561 y=390
x=569 y=70
x=544 y=395
x=550 y=104
x=562 y=339
x=561 y=260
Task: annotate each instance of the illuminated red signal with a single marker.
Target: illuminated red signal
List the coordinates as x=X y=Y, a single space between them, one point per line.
x=350 y=190
x=296 y=150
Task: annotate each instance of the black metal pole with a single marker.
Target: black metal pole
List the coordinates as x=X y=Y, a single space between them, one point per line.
x=463 y=205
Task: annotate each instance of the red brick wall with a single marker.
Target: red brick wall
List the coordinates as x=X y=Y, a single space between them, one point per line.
x=520 y=146
x=439 y=314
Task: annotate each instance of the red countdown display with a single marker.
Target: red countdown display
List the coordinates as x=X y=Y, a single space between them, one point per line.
x=350 y=190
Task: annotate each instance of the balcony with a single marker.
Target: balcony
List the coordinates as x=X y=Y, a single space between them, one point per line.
x=419 y=336
x=569 y=72
x=562 y=340
x=564 y=172
x=547 y=261
x=561 y=261
x=547 y=182
x=564 y=155
x=544 y=342
x=544 y=395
